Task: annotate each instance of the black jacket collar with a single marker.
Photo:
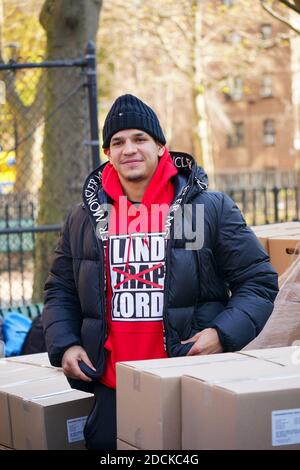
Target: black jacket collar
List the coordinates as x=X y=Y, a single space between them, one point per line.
x=190 y=180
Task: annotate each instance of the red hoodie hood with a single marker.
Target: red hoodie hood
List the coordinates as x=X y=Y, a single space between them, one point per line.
x=131 y=281
x=158 y=184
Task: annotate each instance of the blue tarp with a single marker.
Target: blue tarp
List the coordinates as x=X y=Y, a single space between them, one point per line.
x=15 y=328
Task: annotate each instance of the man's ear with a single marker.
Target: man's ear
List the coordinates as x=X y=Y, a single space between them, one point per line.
x=161 y=149
x=107 y=152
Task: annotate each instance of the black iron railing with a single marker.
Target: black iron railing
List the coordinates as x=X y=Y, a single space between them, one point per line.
x=265 y=206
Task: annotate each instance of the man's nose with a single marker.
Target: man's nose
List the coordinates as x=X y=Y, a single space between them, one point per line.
x=129 y=147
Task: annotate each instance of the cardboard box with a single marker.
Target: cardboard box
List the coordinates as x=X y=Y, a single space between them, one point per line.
x=265 y=232
x=11 y=375
x=149 y=395
x=7 y=367
x=122 y=445
x=283 y=251
x=39 y=359
x=262 y=412
x=19 y=373
x=48 y=414
x=280 y=225
x=286 y=356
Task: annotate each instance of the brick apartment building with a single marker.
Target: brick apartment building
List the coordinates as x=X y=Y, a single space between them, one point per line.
x=262 y=148
x=263 y=107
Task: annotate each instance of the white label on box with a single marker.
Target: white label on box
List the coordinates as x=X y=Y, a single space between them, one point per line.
x=286 y=427
x=75 y=429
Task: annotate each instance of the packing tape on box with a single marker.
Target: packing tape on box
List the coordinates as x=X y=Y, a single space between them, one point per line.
x=48 y=395
x=252 y=379
x=243 y=357
x=34 y=364
x=18 y=369
x=206 y=396
x=136 y=380
x=25 y=381
x=273 y=360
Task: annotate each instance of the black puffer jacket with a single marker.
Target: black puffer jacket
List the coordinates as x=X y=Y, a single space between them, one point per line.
x=227 y=284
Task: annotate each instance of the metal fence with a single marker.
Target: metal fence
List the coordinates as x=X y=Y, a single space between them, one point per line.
x=46 y=109
x=264 y=206
x=268 y=179
x=60 y=120
x=18 y=236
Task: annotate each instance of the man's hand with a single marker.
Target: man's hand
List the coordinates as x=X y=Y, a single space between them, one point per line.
x=70 y=361
x=205 y=342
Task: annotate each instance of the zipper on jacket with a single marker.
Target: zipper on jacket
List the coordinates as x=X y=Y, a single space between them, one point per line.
x=185 y=197
x=166 y=288
x=103 y=282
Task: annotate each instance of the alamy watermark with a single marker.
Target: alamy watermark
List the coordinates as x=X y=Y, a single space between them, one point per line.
x=180 y=222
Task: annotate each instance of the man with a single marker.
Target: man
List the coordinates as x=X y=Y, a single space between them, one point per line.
x=131 y=280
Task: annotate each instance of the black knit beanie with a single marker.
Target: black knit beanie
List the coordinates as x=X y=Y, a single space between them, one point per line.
x=128 y=112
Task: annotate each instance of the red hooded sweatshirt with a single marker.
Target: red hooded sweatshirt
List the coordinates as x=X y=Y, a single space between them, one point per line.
x=135 y=269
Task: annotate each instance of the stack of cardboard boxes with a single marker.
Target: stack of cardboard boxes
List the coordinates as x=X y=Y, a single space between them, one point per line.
x=281 y=242
x=39 y=410
x=246 y=400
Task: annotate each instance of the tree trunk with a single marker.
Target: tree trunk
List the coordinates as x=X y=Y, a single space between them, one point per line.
x=69 y=25
x=196 y=140
x=202 y=142
x=1 y=25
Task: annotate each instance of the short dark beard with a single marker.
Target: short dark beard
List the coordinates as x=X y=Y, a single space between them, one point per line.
x=134 y=178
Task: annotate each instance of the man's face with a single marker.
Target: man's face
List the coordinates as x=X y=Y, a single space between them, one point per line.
x=134 y=155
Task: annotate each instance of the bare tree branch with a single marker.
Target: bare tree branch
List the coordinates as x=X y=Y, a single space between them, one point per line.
x=290 y=5
x=170 y=54
x=275 y=15
x=213 y=34
x=13 y=98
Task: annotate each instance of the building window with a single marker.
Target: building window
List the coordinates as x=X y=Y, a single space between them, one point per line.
x=266 y=31
x=269 y=136
x=237 y=138
x=235 y=88
x=235 y=38
x=266 y=89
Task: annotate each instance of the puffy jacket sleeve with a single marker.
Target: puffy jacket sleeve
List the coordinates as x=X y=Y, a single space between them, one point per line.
x=252 y=281
x=62 y=312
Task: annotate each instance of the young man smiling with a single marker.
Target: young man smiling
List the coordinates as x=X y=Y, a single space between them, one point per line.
x=125 y=286
x=134 y=155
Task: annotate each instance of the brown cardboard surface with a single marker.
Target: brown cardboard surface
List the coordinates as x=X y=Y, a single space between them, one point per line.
x=19 y=373
x=264 y=241
x=286 y=356
x=149 y=396
x=275 y=227
x=56 y=414
x=122 y=445
x=11 y=375
x=268 y=231
x=258 y=412
x=283 y=251
x=168 y=363
x=39 y=359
